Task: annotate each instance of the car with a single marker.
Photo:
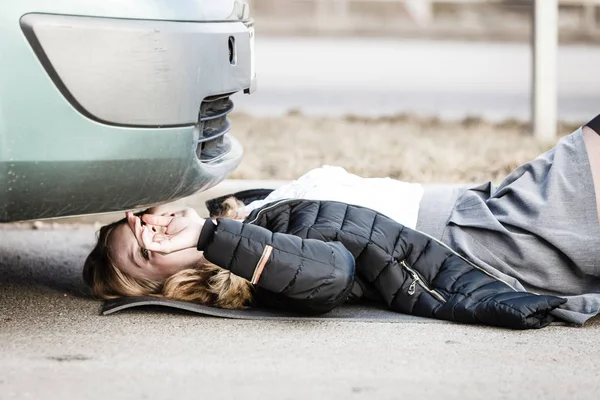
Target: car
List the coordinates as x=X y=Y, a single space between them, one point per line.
x=115 y=105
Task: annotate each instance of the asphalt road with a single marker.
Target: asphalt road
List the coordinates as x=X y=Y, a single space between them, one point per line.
x=451 y=79
x=55 y=345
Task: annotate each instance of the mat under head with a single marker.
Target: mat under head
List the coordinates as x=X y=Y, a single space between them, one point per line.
x=356 y=313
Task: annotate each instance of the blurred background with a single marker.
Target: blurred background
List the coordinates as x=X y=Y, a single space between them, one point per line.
x=437 y=19
x=427 y=90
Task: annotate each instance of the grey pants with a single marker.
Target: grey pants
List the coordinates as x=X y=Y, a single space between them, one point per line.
x=538 y=230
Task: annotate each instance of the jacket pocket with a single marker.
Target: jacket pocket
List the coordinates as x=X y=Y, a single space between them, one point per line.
x=418 y=280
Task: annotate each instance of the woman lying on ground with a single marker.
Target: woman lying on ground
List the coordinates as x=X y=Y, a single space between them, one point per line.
x=516 y=255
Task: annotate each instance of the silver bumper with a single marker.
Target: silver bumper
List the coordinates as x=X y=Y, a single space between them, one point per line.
x=142 y=72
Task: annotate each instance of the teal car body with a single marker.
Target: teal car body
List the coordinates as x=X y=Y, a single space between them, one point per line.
x=112 y=105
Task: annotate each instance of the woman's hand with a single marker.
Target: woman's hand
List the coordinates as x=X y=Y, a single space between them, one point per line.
x=167 y=233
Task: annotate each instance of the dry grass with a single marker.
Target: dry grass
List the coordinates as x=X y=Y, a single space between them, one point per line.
x=402 y=147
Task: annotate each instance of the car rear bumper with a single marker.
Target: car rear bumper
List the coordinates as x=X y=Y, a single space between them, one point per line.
x=92 y=122
x=140 y=72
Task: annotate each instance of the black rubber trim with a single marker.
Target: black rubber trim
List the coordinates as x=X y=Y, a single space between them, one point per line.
x=214 y=134
x=209 y=116
x=217 y=97
x=209 y=156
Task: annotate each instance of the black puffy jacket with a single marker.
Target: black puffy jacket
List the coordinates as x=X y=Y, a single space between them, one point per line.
x=315 y=249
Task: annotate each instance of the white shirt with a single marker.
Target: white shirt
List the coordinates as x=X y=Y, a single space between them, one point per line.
x=396 y=199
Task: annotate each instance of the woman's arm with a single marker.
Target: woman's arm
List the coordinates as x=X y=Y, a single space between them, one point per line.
x=304 y=275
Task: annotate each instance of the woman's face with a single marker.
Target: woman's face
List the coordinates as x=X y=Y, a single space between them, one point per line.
x=139 y=263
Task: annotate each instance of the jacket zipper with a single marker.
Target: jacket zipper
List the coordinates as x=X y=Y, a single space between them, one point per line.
x=470 y=262
x=270 y=207
x=417 y=279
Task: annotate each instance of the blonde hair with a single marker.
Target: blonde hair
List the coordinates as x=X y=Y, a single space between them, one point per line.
x=206 y=283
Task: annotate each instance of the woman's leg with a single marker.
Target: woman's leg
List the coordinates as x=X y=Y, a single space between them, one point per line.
x=592 y=144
